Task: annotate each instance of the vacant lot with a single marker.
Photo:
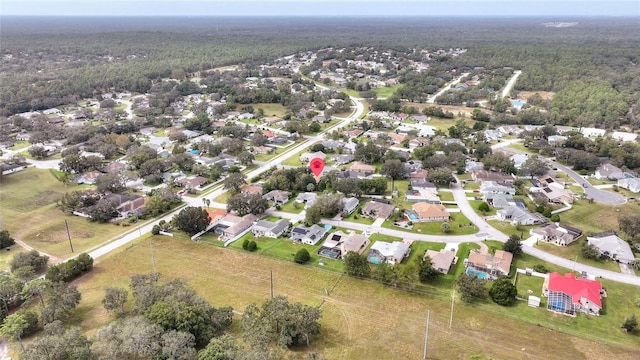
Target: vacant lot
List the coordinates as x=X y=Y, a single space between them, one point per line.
x=546 y=95
x=361 y=319
x=29 y=213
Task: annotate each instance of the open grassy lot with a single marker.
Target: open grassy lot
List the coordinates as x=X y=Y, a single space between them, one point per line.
x=29 y=213
x=445 y=195
x=355 y=217
x=572 y=252
x=7 y=254
x=290 y=207
x=386 y=91
x=271 y=109
x=518 y=146
x=595 y=217
x=459 y=225
x=294 y=160
x=475 y=203
x=507 y=228
x=361 y=319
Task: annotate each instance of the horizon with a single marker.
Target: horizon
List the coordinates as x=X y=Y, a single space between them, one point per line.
x=321 y=8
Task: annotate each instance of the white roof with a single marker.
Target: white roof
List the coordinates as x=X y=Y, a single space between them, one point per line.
x=394 y=249
x=613 y=245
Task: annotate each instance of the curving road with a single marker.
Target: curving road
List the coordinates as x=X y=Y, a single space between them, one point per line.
x=432 y=99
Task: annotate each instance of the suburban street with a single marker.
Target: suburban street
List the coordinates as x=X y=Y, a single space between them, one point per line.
x=511 y=83
x=432 y=99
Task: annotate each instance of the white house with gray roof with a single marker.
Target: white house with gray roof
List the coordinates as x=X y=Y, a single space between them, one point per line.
x=391 y=253
x=266 y=228
x=631 y=184
x=611 y=246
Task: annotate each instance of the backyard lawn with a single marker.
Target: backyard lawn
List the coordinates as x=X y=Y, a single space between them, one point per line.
x=572 y=252
x=458 y=226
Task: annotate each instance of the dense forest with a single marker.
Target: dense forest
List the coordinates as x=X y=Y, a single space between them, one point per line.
x=49 y=62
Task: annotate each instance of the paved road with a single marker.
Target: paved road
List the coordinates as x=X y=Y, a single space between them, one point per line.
x=511 y=83
x=601 y=196
x=432 y=99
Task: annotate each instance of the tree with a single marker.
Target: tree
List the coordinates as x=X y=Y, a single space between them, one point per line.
x=483 y=207
x=630 y=324
x=302 y=256
x=36 y=287
x=589 y=251
x=103 y=211
x=426 y=272
x=32 y=259
x=503 y=292
x=471 y=288
x=533 y=166
x=393 y=169
x=38 y=152
x=445 y=227
x=13 y=327
x=114 y=299
x=220 y=348
x=192 y=220
x=60 y=301
x=356 y=265
x=246 y=158
x=513 y=245
x=10 y=290
x=5 y=239
x=234 y=181
x=245 y=203
x=113 y=182
x=630 y=224
x=252 y=246
x=132 y=337
x=59 y=344
x=369 y=153
x=178 y=345
x=441 y=176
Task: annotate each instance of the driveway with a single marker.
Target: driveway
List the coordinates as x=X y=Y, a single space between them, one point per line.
x=626 y=269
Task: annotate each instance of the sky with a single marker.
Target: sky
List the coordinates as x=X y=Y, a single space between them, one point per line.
x=383 y=8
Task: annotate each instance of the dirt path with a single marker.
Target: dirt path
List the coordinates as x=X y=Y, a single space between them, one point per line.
x=53 y=260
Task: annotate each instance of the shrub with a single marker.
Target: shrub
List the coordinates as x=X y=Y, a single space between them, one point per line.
x=245 y=244
x=71 y=269
x=540 y=268
x=155 y=230
x=252 y=246
x=555 y=218
x=302 y=256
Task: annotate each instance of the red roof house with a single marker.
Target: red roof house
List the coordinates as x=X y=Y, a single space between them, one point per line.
x=568 y=295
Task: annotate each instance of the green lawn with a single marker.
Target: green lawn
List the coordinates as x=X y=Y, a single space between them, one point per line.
x=294 y=160
x=471 y=185
x=525 y=283
x=458 y=226
x=19 y=145
x=519 y=146
x=7 y=254
x=572 y=252
x=419 y=248
x=445 y=196
x=596 y=217
x=355 y=217
x=386 y=91
x=507 y=228
x=271 y=109
x=290 y=207
x=475 y=203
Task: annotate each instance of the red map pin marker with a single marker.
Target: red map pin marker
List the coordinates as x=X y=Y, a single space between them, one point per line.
x=316 y=165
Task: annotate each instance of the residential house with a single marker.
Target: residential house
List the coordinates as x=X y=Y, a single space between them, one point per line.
x=255 y=189
x=262 y=150
x=608 y=172
x=341 y=159
x=412 y=165
x=306 y=157
x=377 y=209
x=491 y=135
x=471 y=165
x=631 y=184
x=561 y=129
x=232 y=226
x=518 y=216
x=422 y=184
x=482 y=175
x=392 y=253
x=420 y=118
x=553 y=194
x=569 y=295
x=350 y=205
x=271 y=119
x=418 y=142
x=88 y=178
x=307 y=198
x=519 y=160
x=489 y=266
x=557 y=140
x=270 y=229
x=307 y=235
x=360 y=166
x=115 y=167
x=492 y=187
x=419 y=174
x=426 y=212
x=510 y=129
x=354 y=133
x=624 y=136
x=500 y=201
x=397 y=138
x=555 y=233
x=192 y=182
x=610 y=245
x=339 y=244
x=125 y=204
x=593 y=132
x=422 y=195
x=11 y=168
x=279 y=197
x=441 y=260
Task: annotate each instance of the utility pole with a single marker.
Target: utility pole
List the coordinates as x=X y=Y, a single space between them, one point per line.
x=453 y=297
x=272 y=284
x=68 y=234
x=426 y=337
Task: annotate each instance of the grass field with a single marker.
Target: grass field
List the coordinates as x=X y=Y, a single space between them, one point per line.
x=364 y=319
x=595 y=217
x=518 y=146
x=386 y=91
x=572 y=252
x=458 y=226
x=445 y=196
x=7 y=254
x=271 y=109
x=29 y=197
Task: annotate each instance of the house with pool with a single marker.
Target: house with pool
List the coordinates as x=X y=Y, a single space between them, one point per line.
x=487 y=266
x=339 y=244
x=390 y=252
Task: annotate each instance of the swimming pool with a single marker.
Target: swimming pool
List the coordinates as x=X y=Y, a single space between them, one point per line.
x=329 y=253
x=413 y=217
x=476 y=273
x=517 y=103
